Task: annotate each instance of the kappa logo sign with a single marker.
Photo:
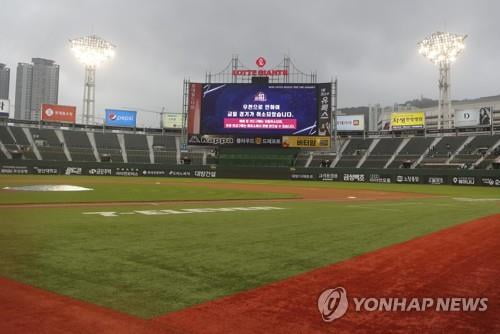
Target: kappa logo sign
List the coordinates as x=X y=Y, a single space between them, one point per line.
x=211 y=140
x=333 y=304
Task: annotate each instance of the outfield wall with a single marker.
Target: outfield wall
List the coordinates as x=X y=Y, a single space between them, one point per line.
x=409 y=176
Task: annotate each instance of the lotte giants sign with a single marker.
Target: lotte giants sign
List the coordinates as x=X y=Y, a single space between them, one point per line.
x=261 y=62
x=58 y=113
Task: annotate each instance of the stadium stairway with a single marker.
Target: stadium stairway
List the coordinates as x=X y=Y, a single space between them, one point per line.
x=354 y=152
x=31 y=141
x=49 y=144
x=137 y=148
x=403 y=144
x=8 y=142
x=22 y=143
x=426 y=152
x=79 y=145
x=108 y=145
x=16 y=143
x=341 y=151
x=303 y=159
x=149 y=141
x=60 y=136
x=460 y=149
x=94 y=146
x=121 y=142
x=486 y=157
x=5 y=153
x=367 y=153
x=165 y=149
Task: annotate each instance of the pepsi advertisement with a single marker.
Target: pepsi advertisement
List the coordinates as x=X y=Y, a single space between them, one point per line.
x=260 y=109
x=124 y=118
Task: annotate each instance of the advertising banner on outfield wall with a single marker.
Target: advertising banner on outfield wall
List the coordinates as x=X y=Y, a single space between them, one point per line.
x=408 y=120
x=351 y=123
x=172 y=121
x=306 y=141
x=118 y=117
x=408 y=178
x=491 y=181
x=435 y=180
x=354 y=177
x=464 y=180
x=379 y=178
x=58 y=113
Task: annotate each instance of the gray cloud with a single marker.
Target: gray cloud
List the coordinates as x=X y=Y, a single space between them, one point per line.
x=369 y=45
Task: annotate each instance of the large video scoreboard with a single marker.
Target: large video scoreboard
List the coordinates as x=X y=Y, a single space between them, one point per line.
x=257 y=114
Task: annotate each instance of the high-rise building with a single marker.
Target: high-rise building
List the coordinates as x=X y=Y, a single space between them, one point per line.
x=36 y=83
x=4 y=82
x=24 y=83
x=374 y=112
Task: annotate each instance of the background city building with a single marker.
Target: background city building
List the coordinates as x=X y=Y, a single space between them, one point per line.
x=4 y=82
x=36 y=83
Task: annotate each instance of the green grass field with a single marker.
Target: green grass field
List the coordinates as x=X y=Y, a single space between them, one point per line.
x=148 y=265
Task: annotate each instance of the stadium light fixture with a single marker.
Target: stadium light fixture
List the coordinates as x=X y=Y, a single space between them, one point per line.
x=443 y=48
x=92 y=51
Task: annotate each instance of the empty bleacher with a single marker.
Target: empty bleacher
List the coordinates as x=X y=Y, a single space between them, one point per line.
x=476 y=149
x=488 y=160
x=442 y=151
x=22 y=142
x=164 y=149
x=412 y=151
x=79 y=146
x=7 y=140
x=108 y=146
x=192 y=158
x=354 y=152
x=48 y=144
x=382 y=152
x=137 y=148
x=302 y=158
x=322 y=160
x=481 y=149
x=448 y=152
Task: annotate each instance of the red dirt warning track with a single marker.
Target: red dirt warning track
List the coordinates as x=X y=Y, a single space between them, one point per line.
x=461 y=261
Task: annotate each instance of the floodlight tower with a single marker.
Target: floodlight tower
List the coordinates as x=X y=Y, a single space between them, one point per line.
x=443 y=48
x=91 y=51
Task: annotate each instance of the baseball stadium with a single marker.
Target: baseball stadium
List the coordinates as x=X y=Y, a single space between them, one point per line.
x=260 y=208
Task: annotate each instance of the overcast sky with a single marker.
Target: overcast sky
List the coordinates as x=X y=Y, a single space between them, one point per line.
x=369 y=45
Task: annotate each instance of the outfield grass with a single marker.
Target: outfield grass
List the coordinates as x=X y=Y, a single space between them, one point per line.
x=439 y=190
x=150 y=265
x=120 y=189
